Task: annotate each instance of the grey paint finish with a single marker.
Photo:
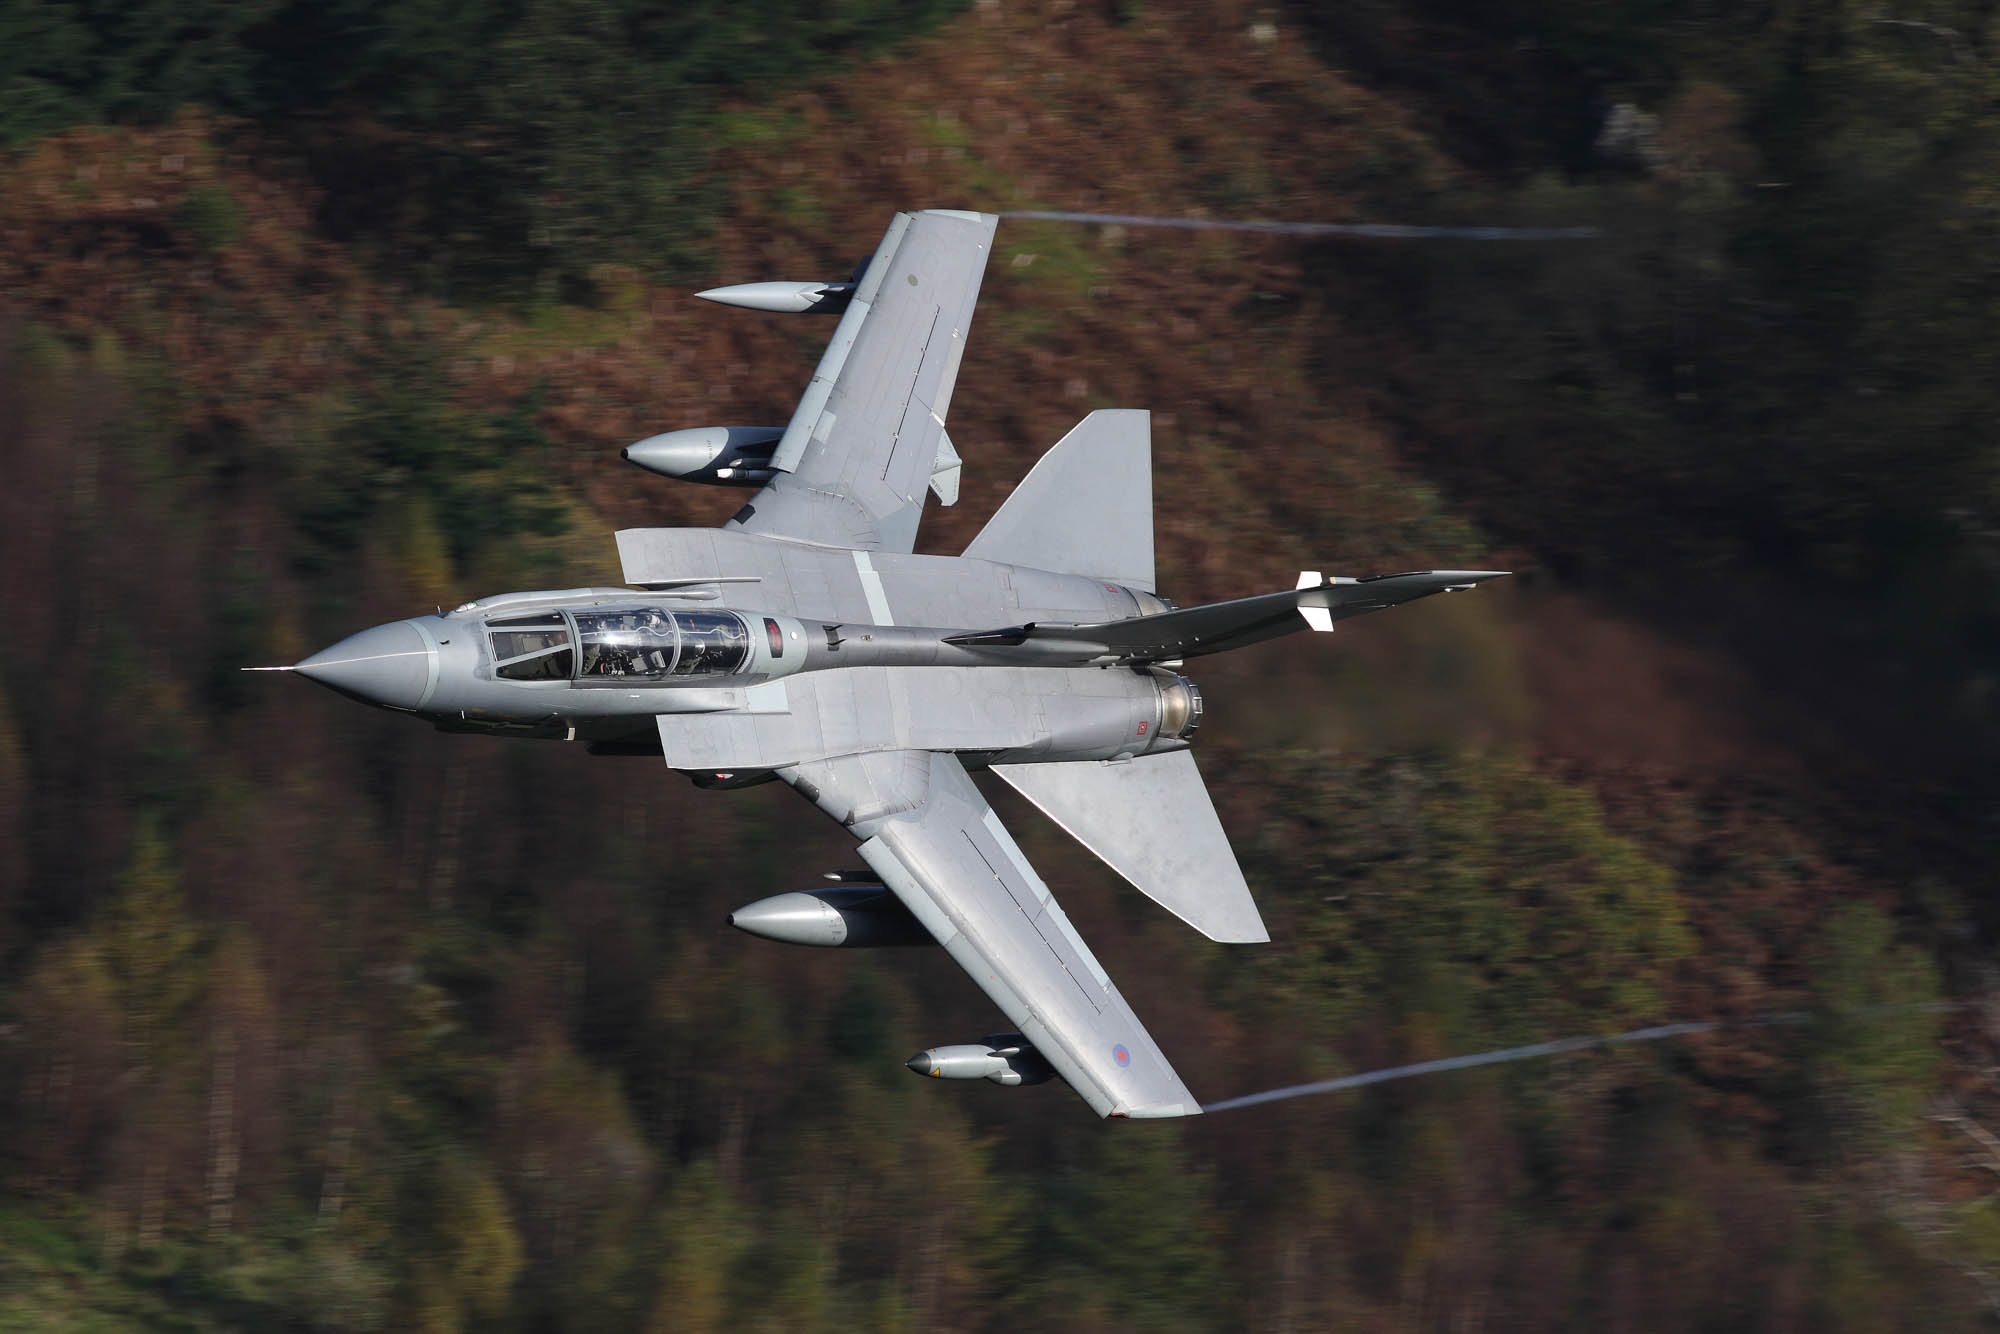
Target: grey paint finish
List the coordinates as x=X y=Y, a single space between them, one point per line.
x=392 y=665
x=1151 y=821
x=850 y=916
x=718 y=455
x=872 y=677
x=1023 y=713
x=936 y=843
x=857 y=457
x=1086 y=508
x=826 y=583
x=854 y=317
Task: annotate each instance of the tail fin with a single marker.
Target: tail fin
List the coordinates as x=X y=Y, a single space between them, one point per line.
x=1151 y=821
x=1086 y=508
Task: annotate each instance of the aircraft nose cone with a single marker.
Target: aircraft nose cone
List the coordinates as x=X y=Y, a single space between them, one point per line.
x=391 y=665
x=921 y=1063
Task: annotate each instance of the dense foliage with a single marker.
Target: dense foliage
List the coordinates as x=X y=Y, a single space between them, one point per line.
x=312 y=1019
x=1774 y=378
x=475 y=146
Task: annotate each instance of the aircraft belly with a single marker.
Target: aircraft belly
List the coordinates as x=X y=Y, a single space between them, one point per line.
x=937 y=844
x=1030 y=933
x=851 y=587
x=1024 y=712
x=853 y=708
x=1052 y=596
x=943 y=590
x=812 y=592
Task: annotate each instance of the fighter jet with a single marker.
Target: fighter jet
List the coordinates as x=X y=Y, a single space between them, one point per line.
x=802 y=642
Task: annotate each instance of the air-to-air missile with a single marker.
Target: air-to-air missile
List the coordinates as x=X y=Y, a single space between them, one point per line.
x=805 y=641
x=1003 y=1058
x=736 y=455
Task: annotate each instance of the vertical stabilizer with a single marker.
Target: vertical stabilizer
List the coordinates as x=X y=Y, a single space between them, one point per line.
x=1086 y=508
x=1151 y=821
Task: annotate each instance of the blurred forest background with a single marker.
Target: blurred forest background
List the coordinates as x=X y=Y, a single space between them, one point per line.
x=315 y=314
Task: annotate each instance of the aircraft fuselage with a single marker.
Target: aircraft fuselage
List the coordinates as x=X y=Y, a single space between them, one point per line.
x=723 y=688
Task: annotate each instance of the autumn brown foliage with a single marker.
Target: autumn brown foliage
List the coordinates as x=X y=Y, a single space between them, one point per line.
x=311 y=1018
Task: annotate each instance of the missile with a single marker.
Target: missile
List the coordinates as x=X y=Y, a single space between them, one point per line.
x=714 y=455
x=852 y=916
x=1003 y=1058
x=784 y=298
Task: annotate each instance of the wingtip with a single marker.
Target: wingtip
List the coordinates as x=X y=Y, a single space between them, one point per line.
x=267 y=669
x=1159 y=1111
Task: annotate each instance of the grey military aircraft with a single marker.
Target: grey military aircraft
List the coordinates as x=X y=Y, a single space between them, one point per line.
x=804 y=642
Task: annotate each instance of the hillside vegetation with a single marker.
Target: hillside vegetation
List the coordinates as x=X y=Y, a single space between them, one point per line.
x=313 y=316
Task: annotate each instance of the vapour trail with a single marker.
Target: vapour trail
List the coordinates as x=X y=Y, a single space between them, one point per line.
x=1556 y=1048
x=1389 y=230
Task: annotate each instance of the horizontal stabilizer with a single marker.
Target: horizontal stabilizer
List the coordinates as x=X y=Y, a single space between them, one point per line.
x=1217 y=626
x=1086 y=508
x=1151 y=821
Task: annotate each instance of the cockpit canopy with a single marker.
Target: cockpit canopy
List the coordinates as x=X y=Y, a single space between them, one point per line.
x=618 y=643
x=533 y=648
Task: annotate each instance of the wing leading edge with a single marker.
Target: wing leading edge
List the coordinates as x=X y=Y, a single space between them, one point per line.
x=937 y=844
x=857 y=458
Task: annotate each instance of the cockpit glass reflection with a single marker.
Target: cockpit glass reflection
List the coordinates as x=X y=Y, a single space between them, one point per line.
x=638 y=642
x=713 y=643
x=532 y=648
x=624 y=643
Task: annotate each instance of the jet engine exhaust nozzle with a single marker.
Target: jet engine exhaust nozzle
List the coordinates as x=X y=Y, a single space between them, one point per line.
x=1180 y=708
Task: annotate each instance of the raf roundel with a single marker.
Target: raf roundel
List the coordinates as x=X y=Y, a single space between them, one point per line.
x=628 y=670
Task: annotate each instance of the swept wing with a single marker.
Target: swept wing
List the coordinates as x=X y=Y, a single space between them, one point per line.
x=857 y=457
x=936 y=843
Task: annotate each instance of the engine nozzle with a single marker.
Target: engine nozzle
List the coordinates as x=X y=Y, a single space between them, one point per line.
x=1180 y=707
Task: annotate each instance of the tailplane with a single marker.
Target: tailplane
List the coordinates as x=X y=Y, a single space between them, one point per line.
x=1086 y=508
x=1151 y=821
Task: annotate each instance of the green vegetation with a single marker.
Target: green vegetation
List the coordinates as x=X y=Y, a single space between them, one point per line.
x=1774 y=375
x=1490 y=904
x=484 y=147
x=212 y=217
x=312 y=1020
